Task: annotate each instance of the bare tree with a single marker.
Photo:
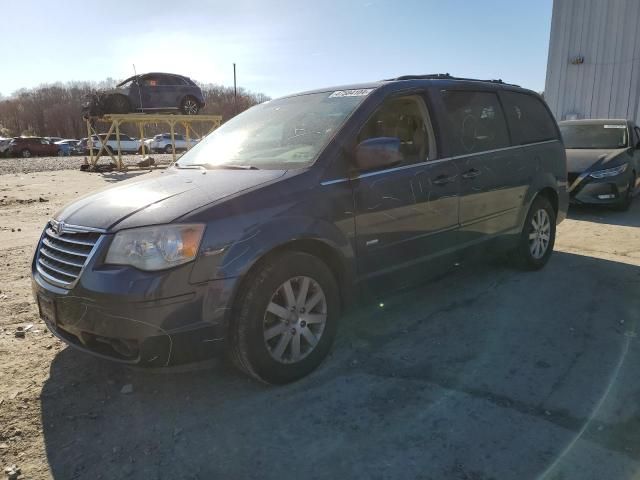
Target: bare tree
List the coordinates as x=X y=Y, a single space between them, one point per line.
x=55 y=109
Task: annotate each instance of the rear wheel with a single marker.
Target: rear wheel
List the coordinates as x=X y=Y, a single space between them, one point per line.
x=190 y=106
x=286 y=318
x=26 y=153
x=60 y=153
x=168 y=149
x=538 y=236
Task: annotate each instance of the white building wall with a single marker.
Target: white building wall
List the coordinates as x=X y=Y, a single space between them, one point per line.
x=606 y=33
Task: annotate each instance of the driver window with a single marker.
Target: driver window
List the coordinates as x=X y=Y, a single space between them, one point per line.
x=405 y=118
x=150 y=81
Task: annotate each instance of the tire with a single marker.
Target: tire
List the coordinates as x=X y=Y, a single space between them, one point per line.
x=527 y=256
x=168 y=149
x=117 y=104
x=60 y=153
x=26 y=153
x=189 y=106
x=264 y=320
x=625 y=203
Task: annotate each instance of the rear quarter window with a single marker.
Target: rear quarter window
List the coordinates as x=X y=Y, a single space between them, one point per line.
x=475 y=121
x=528 y=117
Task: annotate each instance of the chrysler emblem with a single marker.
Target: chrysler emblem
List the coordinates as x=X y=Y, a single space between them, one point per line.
x=58 y=227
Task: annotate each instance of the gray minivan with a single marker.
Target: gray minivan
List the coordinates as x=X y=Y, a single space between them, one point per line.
x=256 y=240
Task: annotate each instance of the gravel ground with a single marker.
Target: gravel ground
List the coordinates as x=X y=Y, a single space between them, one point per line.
x=47 y=164
x=487 y=373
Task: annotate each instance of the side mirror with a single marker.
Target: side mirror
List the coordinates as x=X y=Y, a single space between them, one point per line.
x=379 y=152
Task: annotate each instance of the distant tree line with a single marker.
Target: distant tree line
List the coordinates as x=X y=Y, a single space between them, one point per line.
x=54 y=110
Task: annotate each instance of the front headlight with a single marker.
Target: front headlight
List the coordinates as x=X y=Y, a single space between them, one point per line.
x=609 y=172
x=156 y=248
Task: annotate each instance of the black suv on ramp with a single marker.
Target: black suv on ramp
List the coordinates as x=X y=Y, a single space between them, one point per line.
x=256 y=238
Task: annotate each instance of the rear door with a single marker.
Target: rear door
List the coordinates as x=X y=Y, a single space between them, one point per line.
x=534 y=130
x=178 y=91
x=167 y=91
x=410 y=211
x=490 y=181
x=129 y=144
x=43 y=146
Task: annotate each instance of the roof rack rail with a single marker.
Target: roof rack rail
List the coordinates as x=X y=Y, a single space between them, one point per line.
x=446 y=76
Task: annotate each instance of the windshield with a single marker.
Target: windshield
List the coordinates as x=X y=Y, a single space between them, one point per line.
x=600 y=136
x=126 y=83
x=283 y=134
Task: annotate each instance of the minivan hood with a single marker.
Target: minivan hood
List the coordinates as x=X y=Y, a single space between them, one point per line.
x=579 y=160
x=160 y=197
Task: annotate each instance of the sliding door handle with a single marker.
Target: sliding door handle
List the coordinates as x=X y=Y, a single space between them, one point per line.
x=473 y=173
x=443 y=180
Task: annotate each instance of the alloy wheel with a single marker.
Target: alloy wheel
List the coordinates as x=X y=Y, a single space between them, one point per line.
x=295 y=319
x=190 y=106
x=539 y=234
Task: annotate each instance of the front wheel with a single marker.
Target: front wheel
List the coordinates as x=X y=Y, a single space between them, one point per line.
x=286 y=318
x=26 y=153
x=538 y=236
x=168 y=149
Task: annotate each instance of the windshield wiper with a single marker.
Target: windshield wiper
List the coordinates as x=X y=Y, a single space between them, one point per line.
x=190 y=167
x=208 y=166
x=236 y=167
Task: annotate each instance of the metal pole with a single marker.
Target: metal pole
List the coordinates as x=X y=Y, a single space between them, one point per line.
x=235 y=90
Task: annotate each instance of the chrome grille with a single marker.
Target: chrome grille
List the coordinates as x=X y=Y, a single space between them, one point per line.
x=63 y=252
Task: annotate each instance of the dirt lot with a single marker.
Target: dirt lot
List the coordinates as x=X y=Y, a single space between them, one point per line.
x=488 y=373
x=47 y=164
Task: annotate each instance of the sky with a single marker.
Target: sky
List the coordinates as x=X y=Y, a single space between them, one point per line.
x=279 y=46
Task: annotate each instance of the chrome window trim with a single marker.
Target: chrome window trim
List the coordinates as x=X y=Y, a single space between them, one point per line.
x=431 y=162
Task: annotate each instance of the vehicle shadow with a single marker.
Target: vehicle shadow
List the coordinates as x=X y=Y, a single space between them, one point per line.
x=630 y=218
x=486 y=373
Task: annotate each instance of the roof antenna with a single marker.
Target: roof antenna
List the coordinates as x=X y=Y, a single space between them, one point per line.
x=138 y=84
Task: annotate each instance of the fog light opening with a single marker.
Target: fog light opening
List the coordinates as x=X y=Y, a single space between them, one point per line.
x=126 y=348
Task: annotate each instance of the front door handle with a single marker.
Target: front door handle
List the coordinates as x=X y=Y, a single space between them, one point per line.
x=443 y=180
x=473 y=173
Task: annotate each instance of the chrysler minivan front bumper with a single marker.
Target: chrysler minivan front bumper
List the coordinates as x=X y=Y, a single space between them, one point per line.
x=135 y=317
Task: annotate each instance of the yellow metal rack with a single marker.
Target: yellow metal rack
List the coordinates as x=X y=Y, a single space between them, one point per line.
x=142 y=119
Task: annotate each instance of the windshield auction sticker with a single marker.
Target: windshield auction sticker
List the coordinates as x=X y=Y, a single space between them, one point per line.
x=615 y=126
x=362 y=92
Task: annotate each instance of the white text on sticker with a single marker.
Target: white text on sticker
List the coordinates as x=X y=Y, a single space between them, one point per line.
x=351 y=93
